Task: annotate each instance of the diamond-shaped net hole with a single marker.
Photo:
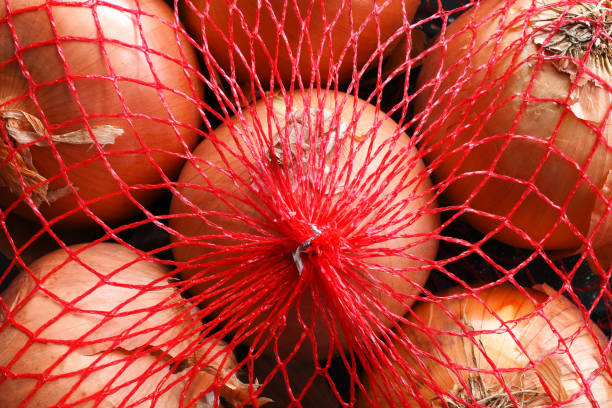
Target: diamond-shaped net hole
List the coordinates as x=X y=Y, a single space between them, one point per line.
x=304 y=203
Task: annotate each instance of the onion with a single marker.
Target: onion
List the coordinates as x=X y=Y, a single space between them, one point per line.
x=129 y=84
x=528 y=154
x=281 y=39
x=99 y=323
x=310 y=217
x=480 y=347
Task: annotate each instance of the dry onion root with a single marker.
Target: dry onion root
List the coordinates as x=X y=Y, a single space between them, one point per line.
x=495 y=348
x=112 y=330
x=513 y=95
x=275 y=31
x=109 y=88
x=308 y=214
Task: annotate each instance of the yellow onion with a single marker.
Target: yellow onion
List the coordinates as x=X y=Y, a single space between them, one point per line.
x=120 y=74
x=515 y=119
x=99 y=324
x=310 y=216
x=487 y=347
x=304 y=39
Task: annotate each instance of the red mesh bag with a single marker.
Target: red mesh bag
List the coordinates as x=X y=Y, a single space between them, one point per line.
x=226 y=203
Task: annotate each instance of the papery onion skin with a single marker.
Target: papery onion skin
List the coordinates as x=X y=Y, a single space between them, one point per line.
x=73 y=343
x=494 y=78
x=113 y=345
x=512 y=313
x=282 y=223
x=117 y=82
x=214 y=16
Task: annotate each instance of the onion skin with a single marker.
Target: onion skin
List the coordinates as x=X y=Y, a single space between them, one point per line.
x=431 y=325
x=136 y=74
x=83 y=340
x=498 y=78
x=218 y=17
x=77 y=339
x=275 y=224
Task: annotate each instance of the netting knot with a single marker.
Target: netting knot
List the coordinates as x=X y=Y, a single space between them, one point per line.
x=297 y=258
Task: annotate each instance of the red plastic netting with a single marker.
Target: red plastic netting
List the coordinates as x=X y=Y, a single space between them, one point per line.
x=224 y=203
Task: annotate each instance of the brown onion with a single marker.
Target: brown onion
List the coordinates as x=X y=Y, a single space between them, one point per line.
x=482 y=347
x=505 y=114
x=101 y=324
x=328 y=28
x=127 y=81
x=318 y=201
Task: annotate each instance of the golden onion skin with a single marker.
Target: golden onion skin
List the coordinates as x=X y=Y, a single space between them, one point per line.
x=540 y=345
x=499 y=91
x=311 y=44
x=217 y=200
x=133 y=73
x=99 y=323
x=79 y=352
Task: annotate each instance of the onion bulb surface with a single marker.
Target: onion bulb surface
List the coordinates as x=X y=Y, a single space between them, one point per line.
x=494 y=347
x=71 y=72
x=307 y=219
x=333 y=36
x=516 y=119
x=101 y=325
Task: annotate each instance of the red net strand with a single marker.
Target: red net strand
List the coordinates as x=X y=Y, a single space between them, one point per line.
x=305 y=203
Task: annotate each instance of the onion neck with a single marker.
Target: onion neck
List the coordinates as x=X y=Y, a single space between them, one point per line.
x=18 y=167
x=576 y=42
x=521 y=388
x=584 y=28
x=304 y=130
x=305 y=135
x=24 y=130
x=480 y=394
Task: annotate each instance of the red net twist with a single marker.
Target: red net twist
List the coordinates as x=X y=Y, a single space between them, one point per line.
x=300 y=203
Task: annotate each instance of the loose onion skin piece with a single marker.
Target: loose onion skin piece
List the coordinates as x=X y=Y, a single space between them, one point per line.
x=500 y=79
x=255 y=216
x=115 y=84
x=488 y=323
x=81 y=340
x=215 y=16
